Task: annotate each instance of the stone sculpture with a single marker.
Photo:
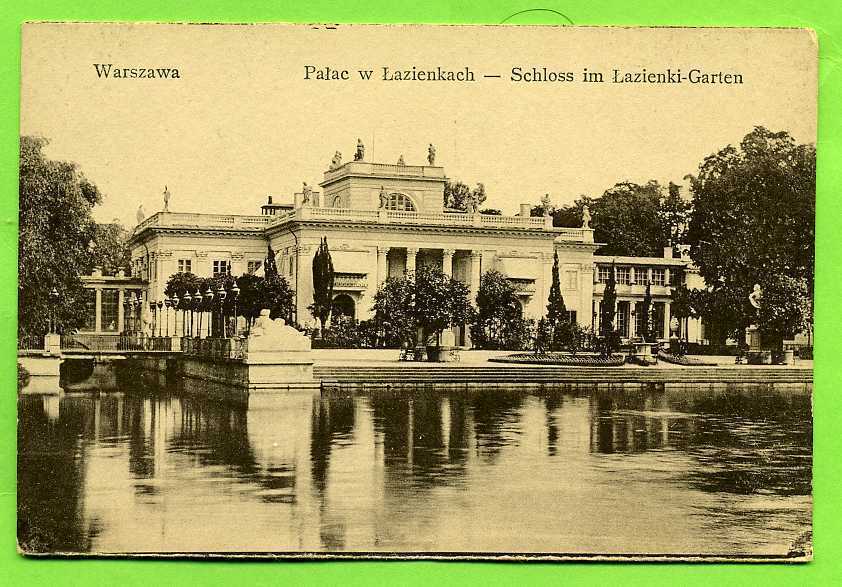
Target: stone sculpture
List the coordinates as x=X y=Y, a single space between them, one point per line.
x=360 y=153
x=586 y=217
x=166 y=199
x=274 y=335
x=431 y=154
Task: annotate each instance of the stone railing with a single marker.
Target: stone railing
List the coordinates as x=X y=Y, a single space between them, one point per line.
x=178 y=219
x=432 y=219
x=350 y=281
x=381 y=169
x=523 y=286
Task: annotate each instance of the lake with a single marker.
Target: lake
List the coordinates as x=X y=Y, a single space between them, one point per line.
x=715 y=470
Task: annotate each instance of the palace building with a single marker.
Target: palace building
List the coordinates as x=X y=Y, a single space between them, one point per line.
x=382 y=220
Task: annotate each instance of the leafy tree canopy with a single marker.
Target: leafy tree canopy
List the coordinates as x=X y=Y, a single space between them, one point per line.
x=55 y=232
x=457 y=194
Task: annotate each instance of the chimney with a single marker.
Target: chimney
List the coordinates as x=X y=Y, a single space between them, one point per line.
x=525 y=210
x=668 y=252
x=270 y=199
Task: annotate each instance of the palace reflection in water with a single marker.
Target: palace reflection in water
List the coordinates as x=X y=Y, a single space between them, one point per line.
x=574 y=470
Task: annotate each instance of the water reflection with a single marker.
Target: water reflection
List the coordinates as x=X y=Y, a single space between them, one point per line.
x=717 y=470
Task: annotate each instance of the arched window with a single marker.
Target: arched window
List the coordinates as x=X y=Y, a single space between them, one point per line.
x=337 y=202
x=400 y=202
x=343 y=305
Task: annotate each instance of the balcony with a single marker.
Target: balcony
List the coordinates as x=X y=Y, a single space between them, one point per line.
x=523 y=287
x=350 y=281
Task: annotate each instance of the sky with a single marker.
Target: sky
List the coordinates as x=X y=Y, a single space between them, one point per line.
x=242 y=122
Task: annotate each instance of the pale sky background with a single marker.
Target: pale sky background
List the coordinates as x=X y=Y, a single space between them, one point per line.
x=242 y=122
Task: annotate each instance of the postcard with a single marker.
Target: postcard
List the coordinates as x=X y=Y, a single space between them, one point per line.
x=403 y=291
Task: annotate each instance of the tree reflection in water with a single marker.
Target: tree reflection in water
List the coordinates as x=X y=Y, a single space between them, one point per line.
x=413 y=467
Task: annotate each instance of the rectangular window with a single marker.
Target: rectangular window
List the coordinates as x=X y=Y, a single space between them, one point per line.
x=623 y=319
x=253 y=266
x=220 y=268
x=623 y=275
x=571 y=279
x=109 y=310
x=658 y=277
x=658 y=319
x=603 y=273
x=185 y=266
x=571 y=316
x=90 y=309
x=291 y=265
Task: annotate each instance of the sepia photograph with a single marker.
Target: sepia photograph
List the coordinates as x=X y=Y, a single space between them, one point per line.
x=416 y=291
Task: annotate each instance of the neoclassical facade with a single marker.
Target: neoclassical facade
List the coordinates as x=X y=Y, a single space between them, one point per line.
x=382 y=220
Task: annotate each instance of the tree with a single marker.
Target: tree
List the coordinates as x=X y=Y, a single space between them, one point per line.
x=427 y=299
x=54 y=235
x=109 y=249
x=754 y=217
x=322 y=284
x=556 y=310
x=440 y=301
x=784 y=309
x=626 y=218
x=681 y=306
x=491 y=212
x=648 y=334
x=456 y=195
x=498 y=312
x=274 y=291
x=674 y=216
x=393 y=311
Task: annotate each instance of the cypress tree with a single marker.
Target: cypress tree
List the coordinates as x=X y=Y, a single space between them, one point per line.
x=556 y=310
x=322 y=284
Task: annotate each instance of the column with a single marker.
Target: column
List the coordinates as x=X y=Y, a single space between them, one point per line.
x=98 y=314
x=447 y=261
x=666 y=325
x=476 y=257
x=121 y=315
x=382 y=265
x=546 y=284
x=303 y=284
x=411 y=253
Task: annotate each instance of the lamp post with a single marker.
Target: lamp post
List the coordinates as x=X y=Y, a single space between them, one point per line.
x=160 y=305
x=197 y=302
x=235 y=292
x=153 y=308
x=167 y=305
x=174 y=301
x=136 y=320
x=53 y=302
x=208 y=300
x=187 y=299
x=221 y=294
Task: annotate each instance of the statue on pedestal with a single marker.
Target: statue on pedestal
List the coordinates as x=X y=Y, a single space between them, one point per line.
x=400 y=160
x=336 y=161
x=308 y=194
x=755 y=296
x=166 y=199
x=586 y=217
x=360 y=153
x=545 y=204
x=384 y=198
x=431 y=154
x=140 y=215
x=471 y=203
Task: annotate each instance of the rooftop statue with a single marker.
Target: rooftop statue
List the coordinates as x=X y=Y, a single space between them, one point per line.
x=308 y=194
x=274 y=335
x=166 y=199
x=586 y=217
x=360 y=154
x=545 y=204
x=400 y=160
x=431 y=154
x=471 y=204
x=336 y=161
x=140 y=215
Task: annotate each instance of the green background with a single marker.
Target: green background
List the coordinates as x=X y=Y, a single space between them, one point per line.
x=825 y=17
